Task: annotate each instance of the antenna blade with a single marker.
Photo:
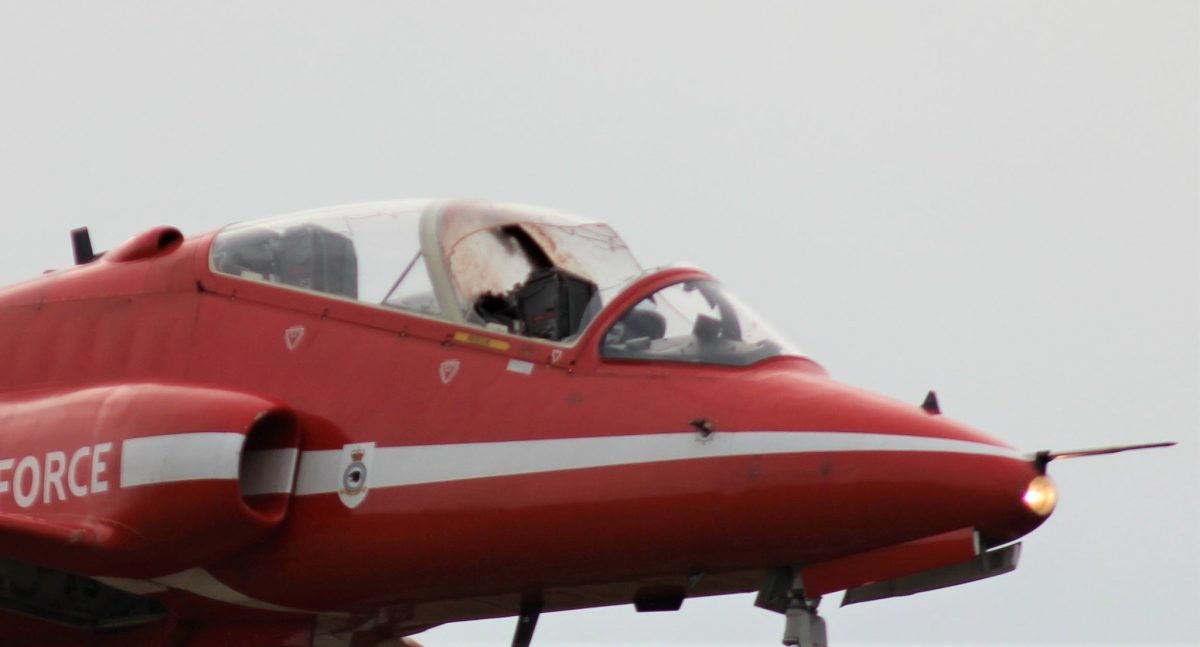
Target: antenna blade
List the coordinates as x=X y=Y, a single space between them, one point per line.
x=81 y=243
x=930 y=405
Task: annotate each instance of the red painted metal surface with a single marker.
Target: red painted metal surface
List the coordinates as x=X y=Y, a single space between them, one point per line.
x=891 y=562
x=161 y=345
x=62 y=466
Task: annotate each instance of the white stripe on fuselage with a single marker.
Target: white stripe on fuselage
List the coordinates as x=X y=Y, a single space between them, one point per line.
x=321 y=471
x=180 y=457
x=216 y=455
x=164 y=459
x=205 y=456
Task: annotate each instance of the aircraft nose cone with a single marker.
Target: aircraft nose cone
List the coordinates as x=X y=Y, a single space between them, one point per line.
x=897 y=467
x=1020 y=500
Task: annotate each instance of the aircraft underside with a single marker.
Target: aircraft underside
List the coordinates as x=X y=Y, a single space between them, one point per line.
x=40 y=606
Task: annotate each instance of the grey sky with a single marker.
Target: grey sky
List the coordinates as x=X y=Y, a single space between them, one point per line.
x=997 y=200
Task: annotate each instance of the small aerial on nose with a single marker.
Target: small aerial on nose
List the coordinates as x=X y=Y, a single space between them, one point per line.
x=1043 y=458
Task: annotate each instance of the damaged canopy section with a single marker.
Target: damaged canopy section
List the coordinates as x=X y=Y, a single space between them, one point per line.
x=510 y=269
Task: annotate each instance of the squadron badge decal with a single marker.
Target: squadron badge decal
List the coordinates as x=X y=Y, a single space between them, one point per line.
x=356 y=469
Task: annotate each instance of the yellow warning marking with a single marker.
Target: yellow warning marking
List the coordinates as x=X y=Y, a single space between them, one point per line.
x=480 y=340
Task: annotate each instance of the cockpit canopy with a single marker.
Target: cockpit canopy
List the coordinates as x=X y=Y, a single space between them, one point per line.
x=510 y=269
x=517 y=270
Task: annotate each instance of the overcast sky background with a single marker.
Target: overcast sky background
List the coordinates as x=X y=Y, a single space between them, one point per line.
x=997 y=200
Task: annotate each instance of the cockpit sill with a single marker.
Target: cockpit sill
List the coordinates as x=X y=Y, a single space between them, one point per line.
x=618 y=325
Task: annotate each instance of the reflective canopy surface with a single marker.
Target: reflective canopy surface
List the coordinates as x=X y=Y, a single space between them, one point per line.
x=509 y=269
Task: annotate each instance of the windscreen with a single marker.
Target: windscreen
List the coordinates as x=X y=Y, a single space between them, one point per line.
x=693 y=321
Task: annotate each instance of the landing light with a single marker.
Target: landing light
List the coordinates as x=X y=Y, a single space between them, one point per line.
x=1040 y=496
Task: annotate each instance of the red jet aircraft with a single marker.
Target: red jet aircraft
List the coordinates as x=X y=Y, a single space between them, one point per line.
x=346 y=426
